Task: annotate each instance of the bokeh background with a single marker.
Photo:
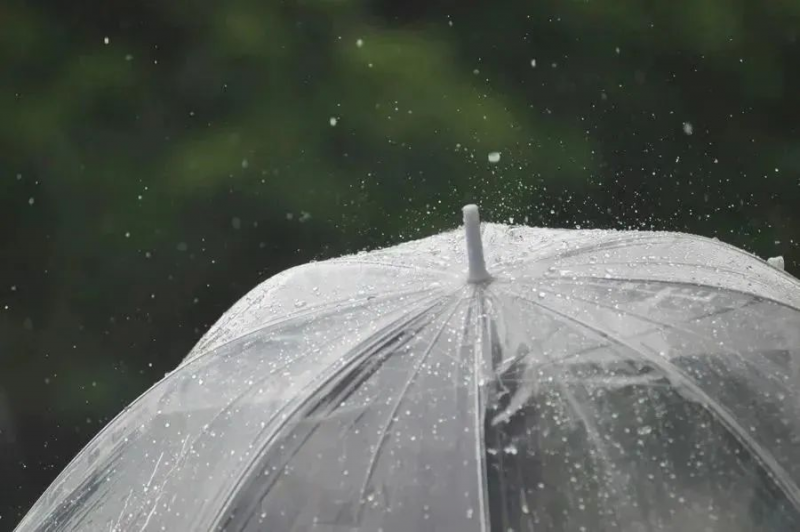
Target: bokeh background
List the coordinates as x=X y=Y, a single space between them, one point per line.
x=159 y=158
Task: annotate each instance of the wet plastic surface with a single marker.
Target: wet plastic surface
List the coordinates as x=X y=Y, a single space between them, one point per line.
x=600 y=381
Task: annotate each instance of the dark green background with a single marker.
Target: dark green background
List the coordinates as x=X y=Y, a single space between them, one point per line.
x=159 y=158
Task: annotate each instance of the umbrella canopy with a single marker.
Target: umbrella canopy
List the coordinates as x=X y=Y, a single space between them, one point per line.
x=571 y=381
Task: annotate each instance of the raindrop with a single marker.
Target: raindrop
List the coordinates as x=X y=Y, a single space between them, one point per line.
x=645 y=430
x=333 y=121
x=31 y=201
x=494 y=157
x=533 y=63
x=470 y=513
x=510 y=449
x=106 y=40
x=236 y=223
x=360 y=43
x=688 y=128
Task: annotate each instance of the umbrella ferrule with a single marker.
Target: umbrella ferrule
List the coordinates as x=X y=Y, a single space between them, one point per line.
x=472 y=230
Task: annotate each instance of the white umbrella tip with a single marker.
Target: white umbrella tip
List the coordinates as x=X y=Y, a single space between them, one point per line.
x=471 y=213
x=472 y=233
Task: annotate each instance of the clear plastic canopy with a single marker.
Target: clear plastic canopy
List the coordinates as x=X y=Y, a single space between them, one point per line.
x=597 y=381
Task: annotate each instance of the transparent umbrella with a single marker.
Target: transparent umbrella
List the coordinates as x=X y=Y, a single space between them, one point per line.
x=572 y=381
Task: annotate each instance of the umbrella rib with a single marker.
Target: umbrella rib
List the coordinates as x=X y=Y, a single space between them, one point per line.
x=554 y=240
x=394 y=265
x=722 y=415
x=294 y=408
x=673 y=327
x=646 y=237
x=314 y=312
x=611 y=280
x=501 y=477
x=754 y=299
x=730 y=271
x=718 y=312
x=585 y=248
x=480 y=453
x=697 y=265
x=403 y=394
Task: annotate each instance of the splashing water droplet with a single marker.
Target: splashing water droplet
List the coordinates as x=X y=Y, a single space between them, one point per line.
x=510 y=449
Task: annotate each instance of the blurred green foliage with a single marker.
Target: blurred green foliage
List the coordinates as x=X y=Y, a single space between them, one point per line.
x=157 y=159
